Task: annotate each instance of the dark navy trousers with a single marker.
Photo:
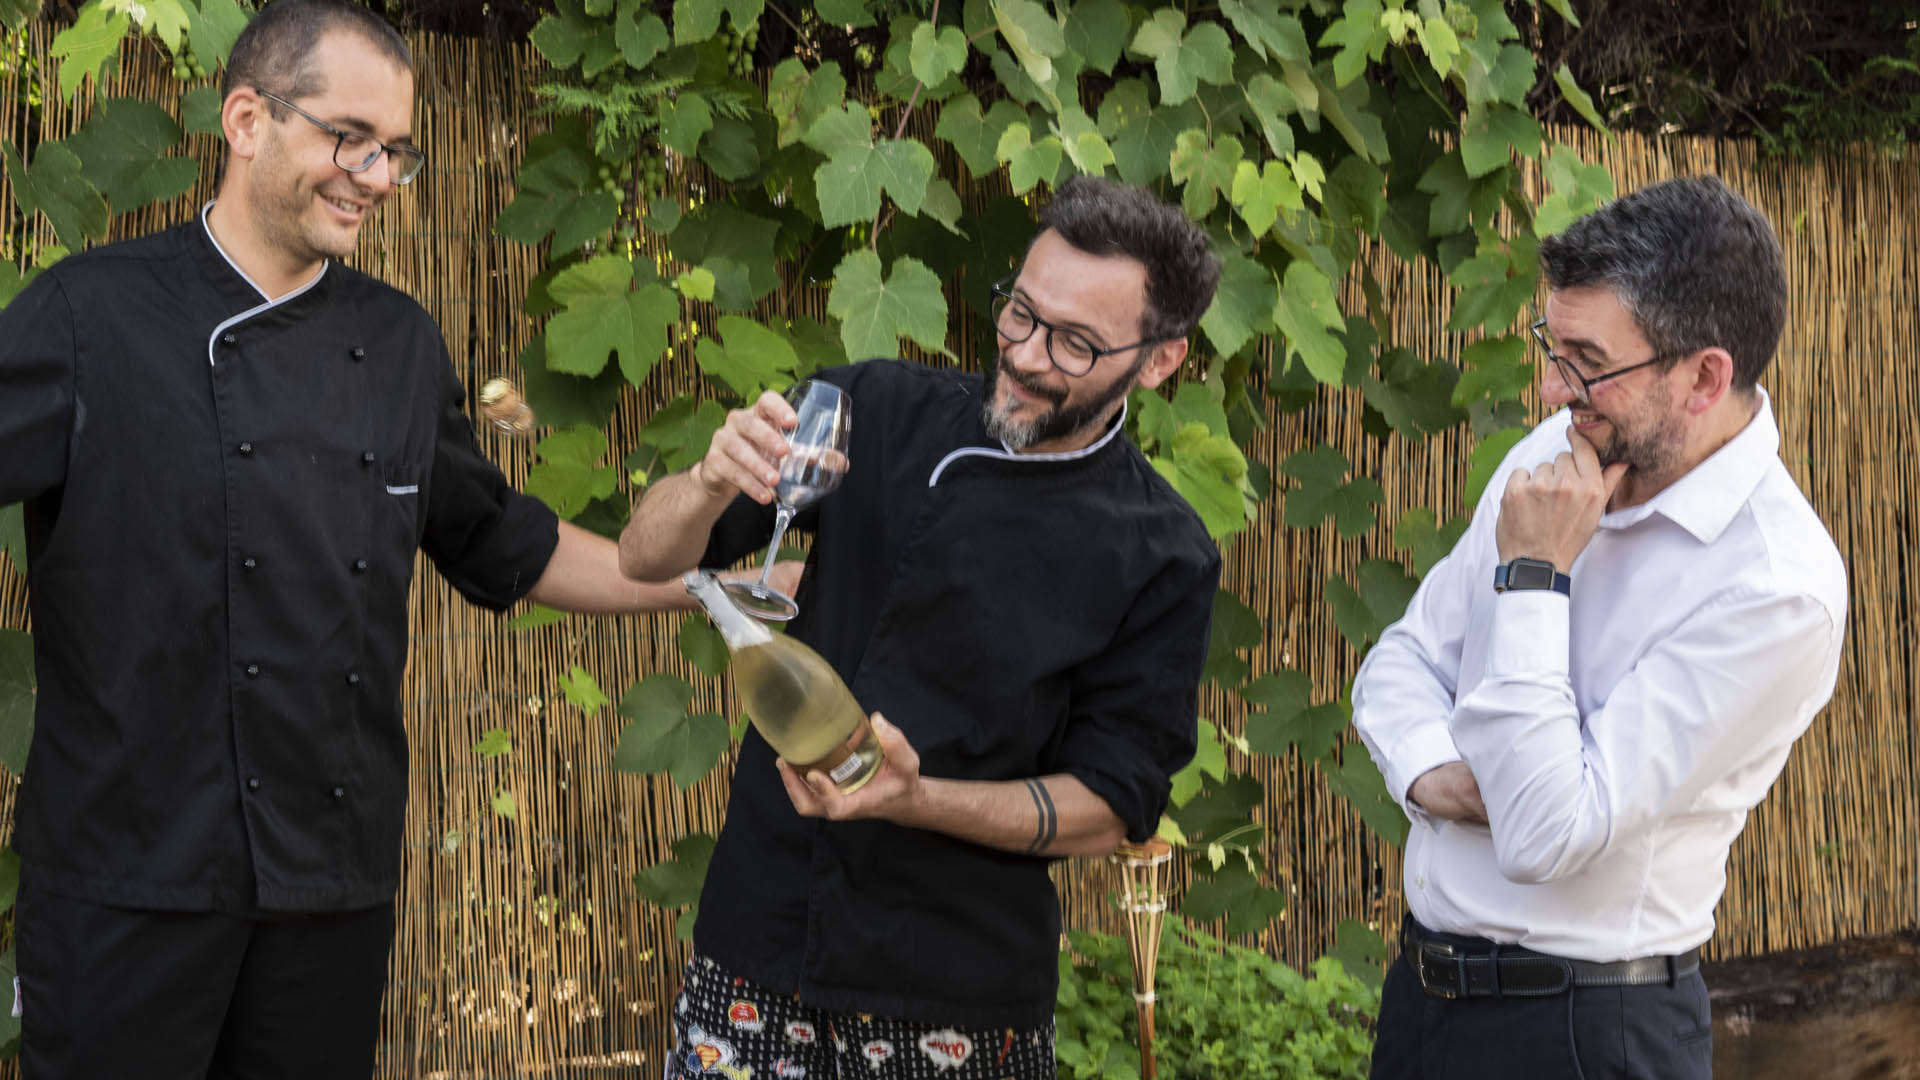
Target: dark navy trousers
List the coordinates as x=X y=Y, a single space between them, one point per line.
x=1654 y=1032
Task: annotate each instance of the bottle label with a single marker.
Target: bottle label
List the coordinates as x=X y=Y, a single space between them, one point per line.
x=846 y=769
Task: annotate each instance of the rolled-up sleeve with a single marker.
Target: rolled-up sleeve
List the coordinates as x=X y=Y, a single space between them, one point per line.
x=1136 y=707
x=37 y=390
x=489 y=541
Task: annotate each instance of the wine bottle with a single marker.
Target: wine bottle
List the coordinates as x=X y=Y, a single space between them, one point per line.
x=794 y=697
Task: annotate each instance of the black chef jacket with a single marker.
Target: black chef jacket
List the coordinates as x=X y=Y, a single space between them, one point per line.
x=1015 y=615
x=223 y=500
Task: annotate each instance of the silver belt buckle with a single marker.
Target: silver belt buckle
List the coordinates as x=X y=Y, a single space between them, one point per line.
x=1450 y=990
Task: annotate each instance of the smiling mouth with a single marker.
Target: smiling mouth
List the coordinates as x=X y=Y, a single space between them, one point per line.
x=350 y=209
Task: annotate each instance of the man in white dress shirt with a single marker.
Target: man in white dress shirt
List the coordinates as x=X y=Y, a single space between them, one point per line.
x=1586 y=698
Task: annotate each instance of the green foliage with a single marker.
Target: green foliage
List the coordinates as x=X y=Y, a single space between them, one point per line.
x=1222 y=1010
x=13 y=527
x=663 y=736
x=16 y=700
x=675 y=882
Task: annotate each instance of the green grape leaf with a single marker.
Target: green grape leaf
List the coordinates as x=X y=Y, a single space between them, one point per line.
x=1492 y=133
x=1355 y=196
x=1507 y=78
x=1029 y=163
x=1457 y=198
x=695 y=284
x=938 y=53
x=1361 y=951
x=1143 y=137
x=13 y=530
x=1233 y=892
x=850 y=182
x=732 y=148
x=1235 y=629
x=973 y=135
x=798 y=98
x=1576 y=188
x=1428 y=542
x=550 y=195
x=1097 y=31
x=1184 y=58
x=536 y=617
x=942 y=204
x=640 y=34
x=875 y=313
x=1441 y=44
x=1242 y=307
x=1271 y=103
x=562 y=400
x=1488 y=453
x=702 y=646
x=695 y=21
x=213 y=28
x=1323 y=491
x=14 y=15
x=121 y=148
x=503 y=805
x=848 y=13
x=90 y=47
x=1210 y=472
x=1358 y=781
x=676 y=882
x=563 y=35
x=662 y=737
x=1415 y=398
x=1362 y=37
x=1496 y=368
x=1034 y=36
x=9 y=886
x=603 y=314
x=1562 y=77
x=582 y=692
x=1309 y=317
x=681 y=431
x=1262 y=195
x=17 y=691
x=57 y=187
x=753 y=358
x=494 y=742
x=1082 y=142
x=1206 y=170
x=684 y=121
x=1200 y=403
x=1209 y=759
x=1495 y=287
x=200 y=111
x=1363 y=614
x=569 y=475
x=1273 y=35
x=1222 y=806
x=1288 y=719
x=736 y=246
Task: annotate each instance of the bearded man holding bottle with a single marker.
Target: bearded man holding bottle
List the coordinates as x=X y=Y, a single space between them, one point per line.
x=1023 y=604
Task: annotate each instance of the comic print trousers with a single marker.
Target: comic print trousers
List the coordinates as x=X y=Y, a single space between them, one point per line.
x=727 y=1028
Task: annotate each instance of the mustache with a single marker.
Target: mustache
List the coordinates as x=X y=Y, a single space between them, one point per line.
x=1030 y=383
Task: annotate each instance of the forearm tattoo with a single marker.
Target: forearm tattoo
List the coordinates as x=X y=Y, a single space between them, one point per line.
x=1049 y=824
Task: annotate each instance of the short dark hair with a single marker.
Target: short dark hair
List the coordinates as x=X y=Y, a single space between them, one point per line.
x=275 y=52
x=1694 y=263
x=1103 y=217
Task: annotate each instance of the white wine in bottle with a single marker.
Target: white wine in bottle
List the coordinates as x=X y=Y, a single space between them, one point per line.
x=795 y=698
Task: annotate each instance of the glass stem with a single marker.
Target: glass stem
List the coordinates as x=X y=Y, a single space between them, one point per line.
x=781 y=515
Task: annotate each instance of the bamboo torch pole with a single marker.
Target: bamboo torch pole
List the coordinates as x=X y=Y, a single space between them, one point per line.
x=1144 y=898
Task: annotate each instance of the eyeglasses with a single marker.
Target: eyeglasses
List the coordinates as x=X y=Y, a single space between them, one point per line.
x=1579 y=385
x=1069 y=350
x=356 y=153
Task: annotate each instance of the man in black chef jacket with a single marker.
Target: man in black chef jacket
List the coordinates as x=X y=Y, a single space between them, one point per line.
x=230 y=445
x=1004 y=576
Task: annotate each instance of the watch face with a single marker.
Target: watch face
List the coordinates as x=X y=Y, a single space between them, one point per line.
x=1530 y=574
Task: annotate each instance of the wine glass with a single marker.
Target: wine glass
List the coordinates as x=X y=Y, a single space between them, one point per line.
x=811 y=469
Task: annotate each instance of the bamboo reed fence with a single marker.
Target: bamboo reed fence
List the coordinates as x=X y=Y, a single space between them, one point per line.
x=523 y=949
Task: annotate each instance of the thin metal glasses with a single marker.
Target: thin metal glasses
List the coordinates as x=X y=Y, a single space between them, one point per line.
x=1577 y=384
x=356 y=152
x=1068 y=349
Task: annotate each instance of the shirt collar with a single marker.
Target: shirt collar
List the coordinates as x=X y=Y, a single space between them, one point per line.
x=1706 y=500
x=1114 y=428
x=207 y=227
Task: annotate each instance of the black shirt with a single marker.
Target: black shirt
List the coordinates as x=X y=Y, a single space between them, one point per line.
x=223 y=500
x=1015 y=616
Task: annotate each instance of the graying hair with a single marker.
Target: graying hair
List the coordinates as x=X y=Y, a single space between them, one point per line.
x=275 y=52
x=1696 y=265
x=1103 y=217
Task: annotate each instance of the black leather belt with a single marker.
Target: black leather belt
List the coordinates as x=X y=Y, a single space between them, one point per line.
x=1450 y=967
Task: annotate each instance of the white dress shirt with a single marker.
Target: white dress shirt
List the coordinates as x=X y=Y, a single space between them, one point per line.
x=1619 y=737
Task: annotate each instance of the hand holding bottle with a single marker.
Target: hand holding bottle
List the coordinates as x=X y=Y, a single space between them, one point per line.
x=891 y=793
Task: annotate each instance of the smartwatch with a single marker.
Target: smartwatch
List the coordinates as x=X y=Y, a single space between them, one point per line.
x=1524 y=573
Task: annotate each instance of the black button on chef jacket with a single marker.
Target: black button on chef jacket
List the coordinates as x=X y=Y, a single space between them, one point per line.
x=223 y=499
x=1015 y=615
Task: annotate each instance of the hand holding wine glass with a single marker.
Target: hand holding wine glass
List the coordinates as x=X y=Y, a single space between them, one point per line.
x=813 y=465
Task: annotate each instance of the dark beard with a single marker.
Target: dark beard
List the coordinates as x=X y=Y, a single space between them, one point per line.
x=1058 y=422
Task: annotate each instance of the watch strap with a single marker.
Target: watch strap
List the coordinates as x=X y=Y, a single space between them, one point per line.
x=1524 y=574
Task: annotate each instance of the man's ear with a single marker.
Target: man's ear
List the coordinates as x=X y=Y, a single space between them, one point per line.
x=1712 y=379
x=243 y=120
x=1166 y=359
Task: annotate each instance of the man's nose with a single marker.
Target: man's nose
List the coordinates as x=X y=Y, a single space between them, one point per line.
x=1031 y=355
x=1554 y=389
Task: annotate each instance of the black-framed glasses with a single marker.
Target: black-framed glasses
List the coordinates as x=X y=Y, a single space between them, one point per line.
x=1580 y=386
x=356 y=152
x=1068 y=349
